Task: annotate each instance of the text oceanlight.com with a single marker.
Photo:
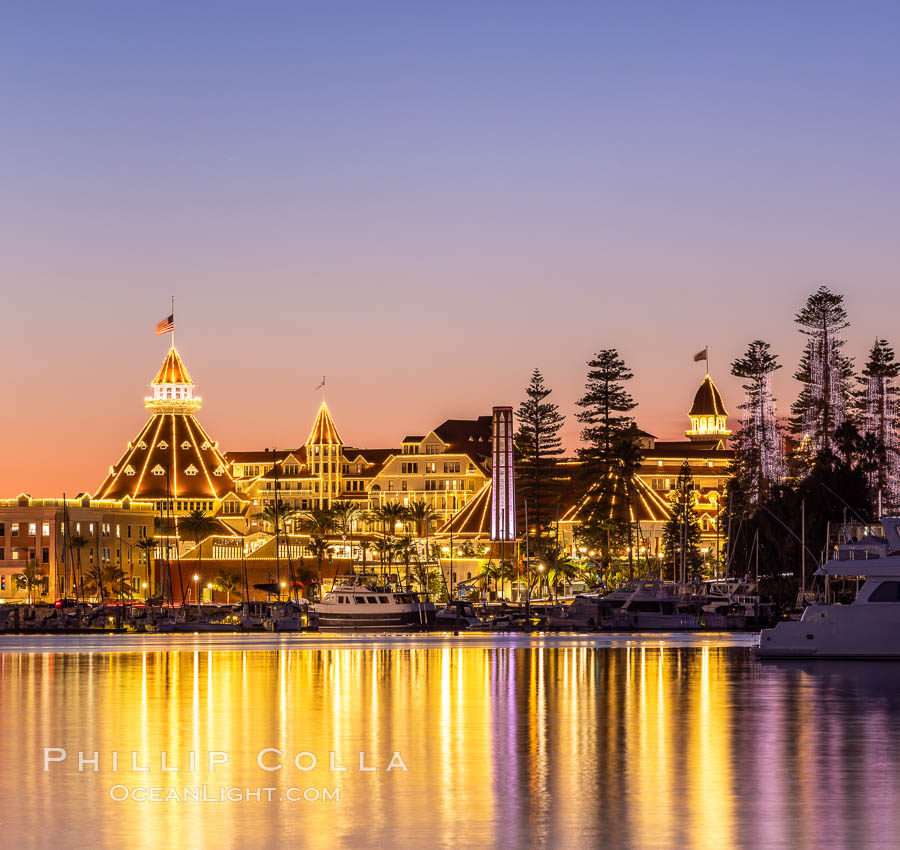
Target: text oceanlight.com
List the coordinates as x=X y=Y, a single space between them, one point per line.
x=222 y=794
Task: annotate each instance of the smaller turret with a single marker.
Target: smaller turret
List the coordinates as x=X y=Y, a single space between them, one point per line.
x=709 y=418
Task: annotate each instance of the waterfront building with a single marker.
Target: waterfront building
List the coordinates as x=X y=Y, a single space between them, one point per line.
x=172 y=461
x=706 y=453
x=172 y=467
x=105 y=532
x=445 y=468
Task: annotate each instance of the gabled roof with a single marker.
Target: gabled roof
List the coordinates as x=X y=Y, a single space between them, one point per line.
x=248 y=457
x=708 y=400
x=467 y=435
x=172 y=371
x=324 y=432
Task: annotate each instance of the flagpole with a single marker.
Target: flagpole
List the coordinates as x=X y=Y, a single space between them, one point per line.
x=173 y=321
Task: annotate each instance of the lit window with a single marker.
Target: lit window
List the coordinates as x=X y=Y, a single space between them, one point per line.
x=185 y=445
x=32 y=529
x=45 y=529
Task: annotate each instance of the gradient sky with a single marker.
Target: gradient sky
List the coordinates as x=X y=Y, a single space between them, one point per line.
x=424 y=201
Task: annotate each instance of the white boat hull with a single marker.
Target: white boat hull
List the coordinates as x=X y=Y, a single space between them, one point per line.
x=836 y=631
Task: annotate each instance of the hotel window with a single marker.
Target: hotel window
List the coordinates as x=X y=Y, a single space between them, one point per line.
x=390 y=485
x=403 y=486
x=45 y=555
x=32 y=529
x=2 y=528
x=14 y=529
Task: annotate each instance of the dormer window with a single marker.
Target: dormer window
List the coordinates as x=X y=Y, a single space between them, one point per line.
x=142 y=445
x=185 y=445
x=218 y=471
x=158 y=470
x=191 y=470
x=205 y=445
x=162 y=444
x=129 y=470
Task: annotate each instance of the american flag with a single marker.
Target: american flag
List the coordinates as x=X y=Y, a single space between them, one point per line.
x=166 y=326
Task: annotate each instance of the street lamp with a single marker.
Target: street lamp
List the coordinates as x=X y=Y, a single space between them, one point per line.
x=197 y=591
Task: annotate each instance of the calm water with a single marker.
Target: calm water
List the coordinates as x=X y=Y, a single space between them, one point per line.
x=508 y=741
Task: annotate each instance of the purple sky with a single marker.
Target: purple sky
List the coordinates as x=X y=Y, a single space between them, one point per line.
x=424 y=202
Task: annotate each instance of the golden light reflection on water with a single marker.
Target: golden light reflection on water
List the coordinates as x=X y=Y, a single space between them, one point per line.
x=506 y=745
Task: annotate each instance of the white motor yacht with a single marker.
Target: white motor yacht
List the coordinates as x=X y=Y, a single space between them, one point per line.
x=656 y=606
x=869 y=627
x=354 y=605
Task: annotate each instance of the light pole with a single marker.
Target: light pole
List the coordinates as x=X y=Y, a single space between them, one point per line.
x=197 y=591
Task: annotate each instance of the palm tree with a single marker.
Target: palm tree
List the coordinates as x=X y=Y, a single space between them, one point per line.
x=147 y=545
x=197 y=526
x=489 y=572
x=364 y=546
x=421 y=514
x=31 y=577
x=385 y=547
x=101 y=576
x=319 y=547
x=317 y=522
x=403 y=547
x=275 y=517
x=394 y=513
x=506 y=572
x=77 y=542
x=563 y=569
x=228 y=582
x=344 y=514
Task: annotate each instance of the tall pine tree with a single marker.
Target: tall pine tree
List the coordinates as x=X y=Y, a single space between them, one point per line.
x=759 y=458
x=825 y=371
x=681 y=535
x=879 y=421
x=610 y=454
x=540 y=448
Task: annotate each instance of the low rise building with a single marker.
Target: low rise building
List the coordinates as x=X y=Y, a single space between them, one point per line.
x=59 y=536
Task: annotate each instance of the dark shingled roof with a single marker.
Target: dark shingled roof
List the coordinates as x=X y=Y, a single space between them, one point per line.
x=708 y=400
x=467 y=435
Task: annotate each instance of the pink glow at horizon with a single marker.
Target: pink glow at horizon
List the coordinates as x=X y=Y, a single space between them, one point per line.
x=424 y=204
